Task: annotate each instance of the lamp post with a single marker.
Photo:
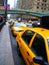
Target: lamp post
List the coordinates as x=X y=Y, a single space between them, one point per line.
x=5 y=10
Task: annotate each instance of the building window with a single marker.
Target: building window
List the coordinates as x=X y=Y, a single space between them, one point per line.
x=38 y=0
x=37 y=7
x=38 y=3
x=48 y=8
x=44 y=0
x=41 y=7
x=42 y=4
x=45 y=4
x=42 y=11
x=44 y=8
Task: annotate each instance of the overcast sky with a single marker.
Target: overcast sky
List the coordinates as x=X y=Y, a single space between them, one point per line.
x=11 y=2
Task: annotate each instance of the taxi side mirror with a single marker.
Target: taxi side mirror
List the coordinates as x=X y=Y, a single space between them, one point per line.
x=38 y=60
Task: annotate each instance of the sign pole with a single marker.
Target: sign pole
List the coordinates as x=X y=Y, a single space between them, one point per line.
x=6 y=11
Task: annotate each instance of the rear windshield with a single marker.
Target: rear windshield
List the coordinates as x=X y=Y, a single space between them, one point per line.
x=19 y=24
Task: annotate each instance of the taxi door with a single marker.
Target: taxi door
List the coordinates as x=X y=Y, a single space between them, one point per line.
x=37 y=49
x=26 y=38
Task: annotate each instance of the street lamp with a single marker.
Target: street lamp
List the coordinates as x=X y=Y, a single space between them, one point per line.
x=5 y=10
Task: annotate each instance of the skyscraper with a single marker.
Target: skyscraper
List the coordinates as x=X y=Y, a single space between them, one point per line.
x=16 y=4
x=33 y=5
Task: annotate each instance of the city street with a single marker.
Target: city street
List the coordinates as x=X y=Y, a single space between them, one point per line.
x=8 y=48
x=24 y=32
x=17 y=59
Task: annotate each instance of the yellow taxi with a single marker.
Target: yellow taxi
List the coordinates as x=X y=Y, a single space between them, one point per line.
x=18 y=27
x=33 y=45
x=10 y=21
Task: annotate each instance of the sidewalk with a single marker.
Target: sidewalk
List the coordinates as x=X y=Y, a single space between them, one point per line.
x=6 y=57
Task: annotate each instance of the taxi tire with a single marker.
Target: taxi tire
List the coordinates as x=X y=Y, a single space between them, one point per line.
x=13 y=34
x=18 y=50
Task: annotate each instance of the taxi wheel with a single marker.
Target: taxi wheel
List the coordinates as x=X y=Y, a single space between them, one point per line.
x=18 y=50
x=13 y=34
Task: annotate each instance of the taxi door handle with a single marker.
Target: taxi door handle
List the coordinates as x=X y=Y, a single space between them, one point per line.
x=28 y=54
x=19 y=40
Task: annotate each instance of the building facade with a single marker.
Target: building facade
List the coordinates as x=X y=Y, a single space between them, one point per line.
x=40 y=5
x=20 y=4
x=34 y=5
x=3 y=4
x=17 y=4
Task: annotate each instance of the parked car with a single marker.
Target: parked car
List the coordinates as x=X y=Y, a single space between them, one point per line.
x=2 y=22
x=29 y=25
x=18 y=27
x=11 y=21
x=33 y=45
x=36 y=24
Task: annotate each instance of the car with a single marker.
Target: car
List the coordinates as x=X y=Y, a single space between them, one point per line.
x=18 y=27
x=11 y=21
x=36 y=24
x=33 y=45
x=29 y=25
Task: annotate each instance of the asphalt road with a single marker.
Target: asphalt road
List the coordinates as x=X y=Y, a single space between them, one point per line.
x=17 y=59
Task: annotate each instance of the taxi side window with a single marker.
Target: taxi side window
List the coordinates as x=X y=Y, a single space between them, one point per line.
x=38 y=46
x=27 y=36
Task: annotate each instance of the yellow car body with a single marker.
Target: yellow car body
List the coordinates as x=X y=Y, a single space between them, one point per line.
x=11 y=21
x=16 y=30
x=34 y=46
